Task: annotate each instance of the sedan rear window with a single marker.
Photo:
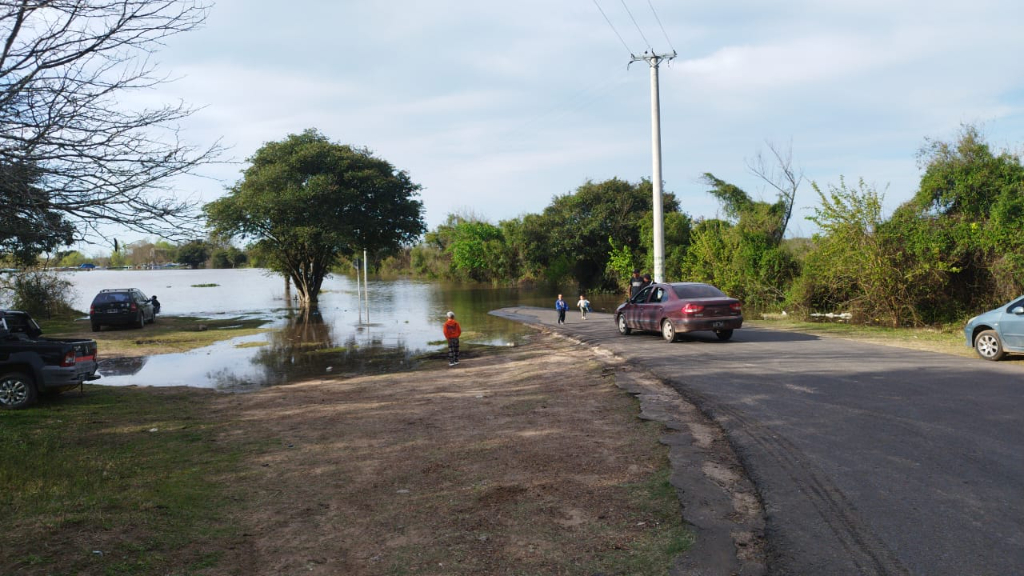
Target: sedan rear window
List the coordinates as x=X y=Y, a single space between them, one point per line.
x=687 y=291
x=111 y=297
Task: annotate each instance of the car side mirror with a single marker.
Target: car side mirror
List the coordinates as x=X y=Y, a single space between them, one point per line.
x=1018 y=310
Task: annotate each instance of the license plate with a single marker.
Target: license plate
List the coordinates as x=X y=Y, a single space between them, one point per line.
x=717 y=324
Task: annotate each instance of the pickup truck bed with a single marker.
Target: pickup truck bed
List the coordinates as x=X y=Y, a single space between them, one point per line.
x=31 y=365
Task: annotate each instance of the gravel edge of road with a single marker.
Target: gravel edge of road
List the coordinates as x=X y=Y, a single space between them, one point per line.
x=718 y=500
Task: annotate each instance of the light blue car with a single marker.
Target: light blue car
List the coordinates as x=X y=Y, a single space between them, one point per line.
x=998 y=331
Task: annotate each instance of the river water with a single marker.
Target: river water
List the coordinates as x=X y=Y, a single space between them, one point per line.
x=405 y=318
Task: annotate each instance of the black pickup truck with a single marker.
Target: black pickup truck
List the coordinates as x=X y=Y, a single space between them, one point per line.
x=31 y=365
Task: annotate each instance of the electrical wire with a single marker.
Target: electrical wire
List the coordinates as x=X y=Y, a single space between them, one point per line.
x=637 y=26
x=613 y=28
x=655 y=12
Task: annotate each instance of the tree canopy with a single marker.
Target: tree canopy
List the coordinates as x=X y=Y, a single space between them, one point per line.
x=304 y=201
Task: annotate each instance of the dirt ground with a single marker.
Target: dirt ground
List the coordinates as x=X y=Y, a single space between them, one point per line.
x=527 y=460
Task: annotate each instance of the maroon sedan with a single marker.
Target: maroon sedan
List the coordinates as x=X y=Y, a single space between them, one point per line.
x=680 y=307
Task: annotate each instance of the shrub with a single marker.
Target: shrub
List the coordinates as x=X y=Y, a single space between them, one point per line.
x=43 y=294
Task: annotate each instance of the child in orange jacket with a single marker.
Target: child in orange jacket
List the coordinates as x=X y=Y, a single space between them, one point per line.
x=452 y=331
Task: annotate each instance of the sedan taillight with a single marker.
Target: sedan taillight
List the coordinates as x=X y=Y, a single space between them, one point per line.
x=736 y=307
x=690 y=309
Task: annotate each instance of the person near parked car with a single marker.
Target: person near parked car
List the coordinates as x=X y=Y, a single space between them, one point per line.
x=647 y=281
x=156 y=304
x=584 y=306
x=452 y=331
x=636 y=283
x=561 y=307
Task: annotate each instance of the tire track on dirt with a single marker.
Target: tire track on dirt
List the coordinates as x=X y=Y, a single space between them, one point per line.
x=865 y=552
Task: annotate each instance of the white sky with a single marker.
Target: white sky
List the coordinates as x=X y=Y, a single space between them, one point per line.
x=497 y=107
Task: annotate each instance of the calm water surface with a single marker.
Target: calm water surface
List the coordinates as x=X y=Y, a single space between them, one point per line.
x=405 y=318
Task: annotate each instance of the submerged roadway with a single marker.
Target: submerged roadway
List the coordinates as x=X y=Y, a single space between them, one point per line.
x=868 y=459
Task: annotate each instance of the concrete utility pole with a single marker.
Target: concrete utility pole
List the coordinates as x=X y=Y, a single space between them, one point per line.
x=659 y=218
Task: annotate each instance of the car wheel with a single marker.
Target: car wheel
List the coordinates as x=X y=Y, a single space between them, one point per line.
x=668 y=330
x=723 y=335
x=142 y=319
x=989 y=346
x=17 y=390
x=623 y=329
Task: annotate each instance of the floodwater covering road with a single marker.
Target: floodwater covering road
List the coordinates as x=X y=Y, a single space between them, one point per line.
x=868 y=459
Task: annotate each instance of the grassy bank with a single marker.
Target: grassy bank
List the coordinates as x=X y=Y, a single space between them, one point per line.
x=947 y=340
x=167 y=334
x=116 y=481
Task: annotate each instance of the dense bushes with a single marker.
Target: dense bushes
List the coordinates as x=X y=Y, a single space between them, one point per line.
x=42 y=294
x=954 y=249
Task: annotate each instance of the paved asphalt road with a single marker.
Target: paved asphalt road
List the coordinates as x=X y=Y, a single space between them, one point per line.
x=869 y=459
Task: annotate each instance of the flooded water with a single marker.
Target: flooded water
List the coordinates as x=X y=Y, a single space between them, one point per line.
x=405 y=318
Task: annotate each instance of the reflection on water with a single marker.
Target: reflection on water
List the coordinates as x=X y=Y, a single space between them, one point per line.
x=405 y=319
x=122 y=366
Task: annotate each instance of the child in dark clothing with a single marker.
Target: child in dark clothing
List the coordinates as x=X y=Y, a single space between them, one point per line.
x=561 y=307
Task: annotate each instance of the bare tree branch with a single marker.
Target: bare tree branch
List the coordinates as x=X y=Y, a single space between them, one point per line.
x=64 y=67
x=779 y=173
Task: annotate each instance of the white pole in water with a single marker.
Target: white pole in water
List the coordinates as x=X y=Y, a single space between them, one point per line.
x=359 y=296
x=366 y=289
x=659 y=219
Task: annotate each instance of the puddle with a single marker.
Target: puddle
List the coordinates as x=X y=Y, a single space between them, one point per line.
x=296 y=351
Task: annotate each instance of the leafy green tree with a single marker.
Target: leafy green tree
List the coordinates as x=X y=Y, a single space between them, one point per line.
x=475 y=248
x=860 y=263
x=227 y=257
x=304 y=201
x=194 y=254
x=71 y=259
x=676 y=228
x=477 y=251
x=117 y=259
x=29 y=225
x=970 y=207
x=709 y=256
x=743 y=255
x=571 y=237
x=621 y=263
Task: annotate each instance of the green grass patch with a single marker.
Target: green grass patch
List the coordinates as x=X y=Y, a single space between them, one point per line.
x=945 y=339
x=655 y=537
x=118 y=481
x=167 y=334
x=251 y=344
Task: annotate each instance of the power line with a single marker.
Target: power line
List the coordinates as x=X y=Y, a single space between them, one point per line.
x=660 y=26
x=613 y=28
x=637 y=25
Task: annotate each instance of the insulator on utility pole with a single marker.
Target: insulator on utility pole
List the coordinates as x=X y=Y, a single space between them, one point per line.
x=659 y=218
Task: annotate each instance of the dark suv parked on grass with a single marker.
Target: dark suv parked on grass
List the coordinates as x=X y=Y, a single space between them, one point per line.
x=121 y=306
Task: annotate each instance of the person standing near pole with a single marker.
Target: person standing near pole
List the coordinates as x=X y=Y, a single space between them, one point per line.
x=452 y=331
x=561 y=307
x=636 y=283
